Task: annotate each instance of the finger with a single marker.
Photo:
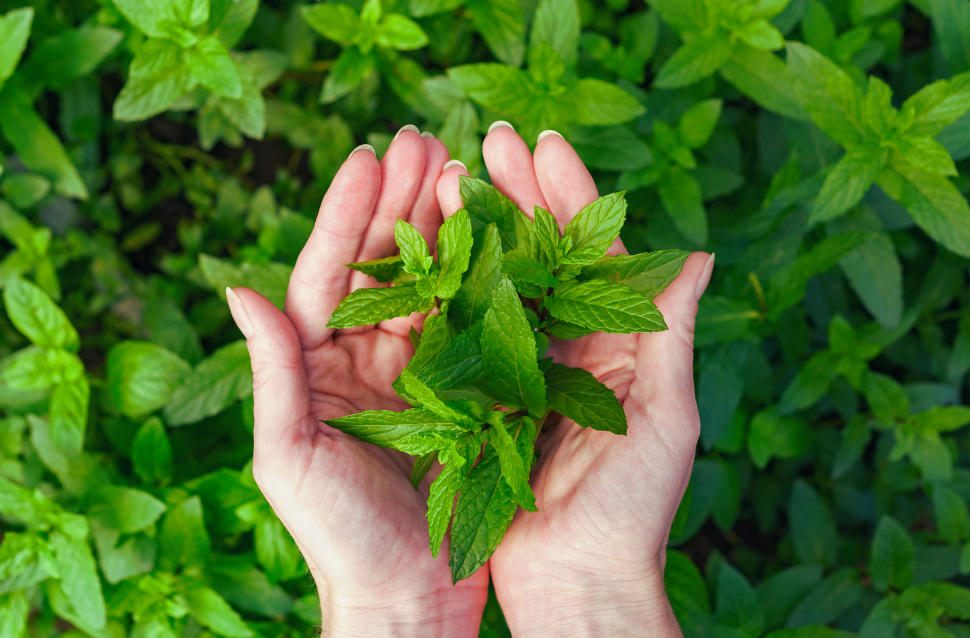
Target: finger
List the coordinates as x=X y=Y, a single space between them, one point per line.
x=448 y=190
x=663 y=387
x=402 y=170
x=281 y=396
x=426 y=213
x=564 y=180
x=509 y=164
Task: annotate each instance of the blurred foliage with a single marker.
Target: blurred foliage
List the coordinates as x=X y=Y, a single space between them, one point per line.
x=155 y=151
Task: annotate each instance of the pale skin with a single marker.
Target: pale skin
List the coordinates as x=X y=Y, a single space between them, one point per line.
x=590 y=561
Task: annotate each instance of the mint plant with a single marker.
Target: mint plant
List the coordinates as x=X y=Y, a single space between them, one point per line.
x=502 y=285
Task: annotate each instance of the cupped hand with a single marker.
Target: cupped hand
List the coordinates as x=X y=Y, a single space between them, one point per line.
x=590 y=561
x=350 y=506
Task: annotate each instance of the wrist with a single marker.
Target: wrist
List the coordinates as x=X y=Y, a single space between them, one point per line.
x=590 y=605
x=440 y=614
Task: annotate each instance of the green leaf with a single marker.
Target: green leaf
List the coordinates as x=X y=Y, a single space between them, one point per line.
x=230 y=20
x=578 y=395
x=414 y=250
x=548 y=242
x=760 y=34
x=892 y=559
x=14 y=31
x=938 y=104
x=925 y=154
x=421 y=466
x=441 y=499
x=934 y=204
x=848 y=182
x=685 y=588
x=681 y=15
x=351 y=68
x=142 y=376
x=771 y=435
x=158 y=76
x=400 y=32
x=529 y=276
x=79 y=578
x=276 y=551
x=484 y=271
x=695 y=60
x=71 y=55
x=37 y=147
x=764 y=78
x=151 y=17
x=810 y=384
x=818 y=29
x=813 y=532
x=515 y=469
x=212 y=611
x=384 y=428
x=502 y=25
x=384 y=270
x=780 y=593
x=151 y=452
x=697 y=124
x=183 y=540
x=737 y=603
x=855 y=438
x=874 y=270
x=828 y=600
x=337 y=22
x=37 y=317
x=484 y=511
x=216 y=383
x=788 y=286
x=952 y=518
x=681 y=197
x=610 y=148
x=210 y=63
x=647 y=273
x=368 y=306
x=605 y=307
x=509 y=353
x=458 y=364
x=830 y=97
x=69 y=414
x=454 y=252
x=435 y=335
x=951 y=21
x=502 y=88
x=557 y=23
x=593 y=102
x=25 y=561
x=425 y=396
x=123 y=509
x=486 y=205
x=594 y=229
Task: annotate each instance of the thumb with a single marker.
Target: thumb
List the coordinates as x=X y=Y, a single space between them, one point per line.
x=663 y=390
x=280 y=392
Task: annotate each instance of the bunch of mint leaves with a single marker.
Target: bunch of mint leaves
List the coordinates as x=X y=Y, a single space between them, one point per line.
x=502 y=285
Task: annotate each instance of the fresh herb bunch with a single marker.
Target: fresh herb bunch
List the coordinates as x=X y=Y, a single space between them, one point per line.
x=502 y=285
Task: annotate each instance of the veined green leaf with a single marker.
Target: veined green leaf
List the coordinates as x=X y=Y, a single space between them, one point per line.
x=440 y=502
x=368 y=306
x=484 y=271
x=578 y=395
x=383 y=427
x=515 y=469
x=647 y=273
x=606 y=307
x=454 y=252
x=695 y=60
x=594 y=229
x=829 y=96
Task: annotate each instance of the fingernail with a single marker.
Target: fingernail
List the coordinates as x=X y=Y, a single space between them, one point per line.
x=546 y=134
x=407 y=127
x=451 y=163
x=705 y=278
x=239 y=314
x=363 y=147
x=427 y=134
x=500 y=124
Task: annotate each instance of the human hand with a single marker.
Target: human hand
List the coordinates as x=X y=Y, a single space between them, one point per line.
x=590 y=561
x=350 y=506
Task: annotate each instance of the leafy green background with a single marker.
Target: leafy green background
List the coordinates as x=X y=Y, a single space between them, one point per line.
x=154 y=152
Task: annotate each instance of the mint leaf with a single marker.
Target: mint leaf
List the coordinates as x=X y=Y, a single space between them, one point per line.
x=592 y=102
x=14 y=31
x=697 y=124
x=400 y=32
x=594 y=229
x=484 y=511
x=454 y=252
x=486 y=205
x=557 y=23
x=79 y=578
x=565 y=330
x=605 y=307
x=218 y=381
x=848 y=182
x=546 y=230
x=695 y=60
x=337 y=22
x=892 y=558
x=385 y=270
x=764 y=78
x=828 y=94
x=647 y=273
x=151 y=452
x=158 y=76
x=501 y=24
x=528 y=275
x=351 y=68
x=509 y=353
x=421 y=466
x=458 y=364
x=434 y=336
x=142 y=376
x=212 y=611
x=515 y=470
x=414 y=250
x=368 y=306
x=681 y=197
x=210 y=63
x=578 y=395
x=936 y=105
x=444 y=489
x=384 y=427
x=424 y=395
x=484 y=271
